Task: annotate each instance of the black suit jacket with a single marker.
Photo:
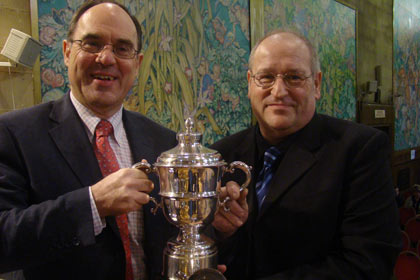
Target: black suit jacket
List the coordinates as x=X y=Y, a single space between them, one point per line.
x=46 y=166
x=330 y=212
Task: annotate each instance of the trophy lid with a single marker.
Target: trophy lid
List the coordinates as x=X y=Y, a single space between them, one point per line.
x=189 y=151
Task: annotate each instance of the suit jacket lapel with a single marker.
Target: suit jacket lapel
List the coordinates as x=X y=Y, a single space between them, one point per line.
x=71 y=139
x=141 y=144
x=246 y=152
x=298 y=159
x=142 y=147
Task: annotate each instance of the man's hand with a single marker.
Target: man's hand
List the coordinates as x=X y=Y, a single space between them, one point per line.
x=227 y=222
x=121 y=192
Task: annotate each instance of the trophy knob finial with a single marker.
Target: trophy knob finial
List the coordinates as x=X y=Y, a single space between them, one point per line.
x=189 y=125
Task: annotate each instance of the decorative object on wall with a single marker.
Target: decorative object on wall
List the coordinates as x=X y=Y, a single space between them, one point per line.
x=406 y=73
x=195 y=61
x=331 y=26
x=21 y=48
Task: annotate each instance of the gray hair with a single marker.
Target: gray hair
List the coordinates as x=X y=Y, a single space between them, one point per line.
x=315 y=64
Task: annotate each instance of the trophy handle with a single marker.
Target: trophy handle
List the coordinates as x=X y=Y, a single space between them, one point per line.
x=148 y=168
x=245 y=168
x=231 y=168
x=144 y=166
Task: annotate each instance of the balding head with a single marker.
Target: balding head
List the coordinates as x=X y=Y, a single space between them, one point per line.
x=315 y=65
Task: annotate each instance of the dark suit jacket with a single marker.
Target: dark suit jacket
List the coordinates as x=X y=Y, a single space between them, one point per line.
x=330 y=212
x=46 y=165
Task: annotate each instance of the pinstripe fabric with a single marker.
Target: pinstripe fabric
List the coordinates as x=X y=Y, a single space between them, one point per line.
x=266 y=174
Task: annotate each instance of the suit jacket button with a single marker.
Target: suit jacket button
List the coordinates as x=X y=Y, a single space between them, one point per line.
x=76 y=241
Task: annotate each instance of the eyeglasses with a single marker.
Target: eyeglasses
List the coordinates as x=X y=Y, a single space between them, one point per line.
x=267 y=80
x=122 y=50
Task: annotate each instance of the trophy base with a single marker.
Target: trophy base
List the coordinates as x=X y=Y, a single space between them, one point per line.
x=207 y=274
x=180 y=261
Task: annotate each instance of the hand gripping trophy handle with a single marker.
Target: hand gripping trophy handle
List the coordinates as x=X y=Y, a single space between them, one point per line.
x=231 y=168
x=148 y=168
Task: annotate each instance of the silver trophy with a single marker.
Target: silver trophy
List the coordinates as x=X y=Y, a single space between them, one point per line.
x=190 y=181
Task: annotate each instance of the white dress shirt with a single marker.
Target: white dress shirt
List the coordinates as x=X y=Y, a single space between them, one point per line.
x=121 y=148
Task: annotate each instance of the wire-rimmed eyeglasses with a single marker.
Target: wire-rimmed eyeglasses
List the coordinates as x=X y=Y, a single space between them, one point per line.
x=122 y=50
x=291 y=80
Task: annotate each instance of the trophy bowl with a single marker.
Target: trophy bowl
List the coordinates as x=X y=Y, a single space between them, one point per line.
x=190 y=181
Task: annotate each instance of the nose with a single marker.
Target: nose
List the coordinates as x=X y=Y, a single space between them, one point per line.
x=279 y=88
x=106 y=56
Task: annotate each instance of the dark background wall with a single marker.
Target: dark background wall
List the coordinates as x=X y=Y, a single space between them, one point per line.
x=374 y=44
x=375 y=47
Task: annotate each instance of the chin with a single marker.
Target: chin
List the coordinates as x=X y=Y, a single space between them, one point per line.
x=280 y=122
x=282 y=127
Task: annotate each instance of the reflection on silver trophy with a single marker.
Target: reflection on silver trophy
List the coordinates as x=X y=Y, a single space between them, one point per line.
x=190 y=180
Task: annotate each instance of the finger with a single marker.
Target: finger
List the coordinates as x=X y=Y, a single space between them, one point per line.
x=222 y=268
x=236 y=209
x=235 y=216
x=233 y=190
x=130 y=178
x=131 y=173
x=140 y=173
x=242 y=200
x=223 y=193
x=142 y=185
x=222 y=224
x=141 y=198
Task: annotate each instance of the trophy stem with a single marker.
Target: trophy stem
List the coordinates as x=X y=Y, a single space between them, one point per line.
x=189 y=252
x=190 y=235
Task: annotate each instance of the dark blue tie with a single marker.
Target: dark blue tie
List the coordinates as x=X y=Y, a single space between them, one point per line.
x=266 y=173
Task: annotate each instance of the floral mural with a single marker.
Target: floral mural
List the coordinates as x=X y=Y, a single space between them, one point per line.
x=407 y=73
x=196 y=57
x=331 y=27
x=195 y=61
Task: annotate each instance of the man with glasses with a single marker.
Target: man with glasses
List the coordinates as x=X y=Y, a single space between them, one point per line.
x=321 y=203
x=70 y=206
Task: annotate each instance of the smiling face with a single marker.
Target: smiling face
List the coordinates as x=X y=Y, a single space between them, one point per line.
x=280 y=110
x=101 y=81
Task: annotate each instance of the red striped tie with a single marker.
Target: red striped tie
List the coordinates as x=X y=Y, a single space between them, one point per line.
x=109 y=164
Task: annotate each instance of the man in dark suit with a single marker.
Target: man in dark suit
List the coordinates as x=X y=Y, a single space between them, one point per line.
x=329 y=210
x=57 y=204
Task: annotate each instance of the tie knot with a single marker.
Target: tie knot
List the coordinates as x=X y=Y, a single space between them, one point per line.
x=104 y=128
x=270 y=156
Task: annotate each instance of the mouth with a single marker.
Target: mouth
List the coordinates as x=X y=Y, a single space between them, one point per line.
x=104 y=77
x=277 y=105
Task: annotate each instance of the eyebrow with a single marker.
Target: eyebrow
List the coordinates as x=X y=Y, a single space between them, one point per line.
x=292 y=71
x=90 y=36
x=98 y=37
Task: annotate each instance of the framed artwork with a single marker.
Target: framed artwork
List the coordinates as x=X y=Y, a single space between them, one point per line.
x=331 y=27
x=406 y=73
x=195 y=61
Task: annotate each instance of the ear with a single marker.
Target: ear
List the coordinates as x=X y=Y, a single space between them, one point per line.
x=139 y=60
x=318 y=81
x=248 y=77
x=66 y=52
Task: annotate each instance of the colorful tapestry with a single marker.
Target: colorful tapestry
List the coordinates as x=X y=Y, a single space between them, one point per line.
x=407 y=73
x=195 y=61
x=331 y=27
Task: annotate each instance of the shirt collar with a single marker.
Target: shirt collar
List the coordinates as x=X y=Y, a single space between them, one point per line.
x=91 y=120
x=263 y=145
